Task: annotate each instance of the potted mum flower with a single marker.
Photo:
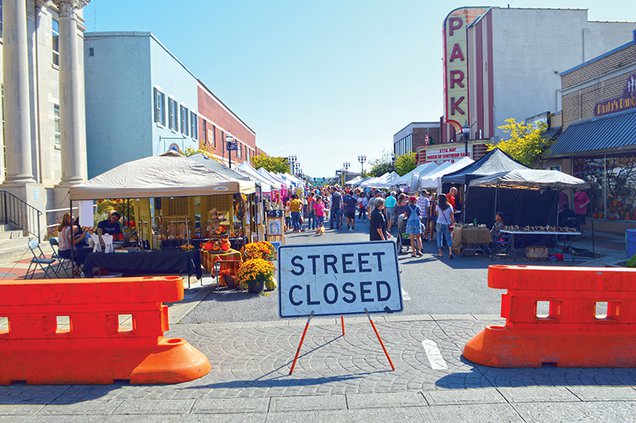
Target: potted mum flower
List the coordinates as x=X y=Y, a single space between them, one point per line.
x=263 y=250
x=253 y=274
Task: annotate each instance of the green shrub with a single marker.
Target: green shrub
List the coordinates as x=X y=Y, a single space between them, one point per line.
x=632 y=261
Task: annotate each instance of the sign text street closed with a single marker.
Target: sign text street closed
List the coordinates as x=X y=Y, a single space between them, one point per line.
x=337 y=279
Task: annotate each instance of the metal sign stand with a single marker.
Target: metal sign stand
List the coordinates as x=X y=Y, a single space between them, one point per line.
x=342 y=325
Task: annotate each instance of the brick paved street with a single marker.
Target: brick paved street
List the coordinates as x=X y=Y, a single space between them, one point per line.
x=340 y=379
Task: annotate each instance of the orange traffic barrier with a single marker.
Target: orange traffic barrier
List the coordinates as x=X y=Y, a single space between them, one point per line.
x=93 y=331
x=589 y=318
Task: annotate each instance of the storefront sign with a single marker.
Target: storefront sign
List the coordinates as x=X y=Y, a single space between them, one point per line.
x=456 y=64
x=337 y=279
x=446 y=154
x=626 y=101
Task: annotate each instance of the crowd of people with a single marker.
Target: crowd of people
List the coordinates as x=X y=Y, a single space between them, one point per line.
x=423 y=217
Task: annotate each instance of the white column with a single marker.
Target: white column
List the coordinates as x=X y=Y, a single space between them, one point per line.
x=17 y=114
x=72 y=108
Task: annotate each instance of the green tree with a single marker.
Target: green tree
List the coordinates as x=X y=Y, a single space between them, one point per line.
x=405 y=163
x=192 y=151
x=381 y=165
x=271 y=164
x=525 y=142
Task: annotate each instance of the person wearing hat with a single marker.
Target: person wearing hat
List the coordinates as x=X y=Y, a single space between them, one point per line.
x=423 y=203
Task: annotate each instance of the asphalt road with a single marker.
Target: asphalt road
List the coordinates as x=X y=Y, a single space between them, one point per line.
x=430 y=286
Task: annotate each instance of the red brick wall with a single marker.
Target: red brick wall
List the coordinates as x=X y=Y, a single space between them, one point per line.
x=223 y=120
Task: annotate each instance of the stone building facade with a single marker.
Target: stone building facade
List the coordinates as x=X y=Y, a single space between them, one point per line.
x=43 y=134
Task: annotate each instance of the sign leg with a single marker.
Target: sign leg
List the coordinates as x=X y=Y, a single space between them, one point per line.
x=342 y=325
x=386 y=353
x=300 y=344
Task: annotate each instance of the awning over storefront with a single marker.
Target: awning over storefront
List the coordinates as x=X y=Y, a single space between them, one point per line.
x=606 y=133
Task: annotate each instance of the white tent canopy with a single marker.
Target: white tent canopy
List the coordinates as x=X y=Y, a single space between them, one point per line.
x=354 y=181
x=168 y=175
x=530 y=179
x=434 y=180
x=280 y=181
x=407 y=178
x=266 y=184
x=384 y=181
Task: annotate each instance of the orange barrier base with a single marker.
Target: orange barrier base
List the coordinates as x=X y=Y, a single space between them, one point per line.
x=499 y=346
x=43 y=362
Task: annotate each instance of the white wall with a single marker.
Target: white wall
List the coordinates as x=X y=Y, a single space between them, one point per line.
x=532 y=46
x=118 y=99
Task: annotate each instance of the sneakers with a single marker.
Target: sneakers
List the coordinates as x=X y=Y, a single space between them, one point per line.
x=351 y=229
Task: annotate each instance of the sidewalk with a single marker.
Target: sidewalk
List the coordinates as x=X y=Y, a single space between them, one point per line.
x=341 y=379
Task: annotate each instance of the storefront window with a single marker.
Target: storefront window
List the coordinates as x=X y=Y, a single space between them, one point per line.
x=613 y=185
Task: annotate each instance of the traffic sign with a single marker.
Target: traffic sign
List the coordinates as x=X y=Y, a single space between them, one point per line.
x=337 y=279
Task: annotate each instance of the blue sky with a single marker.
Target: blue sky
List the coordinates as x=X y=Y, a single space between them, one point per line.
x=325 y=80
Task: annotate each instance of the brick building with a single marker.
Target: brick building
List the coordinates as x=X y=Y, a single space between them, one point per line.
x=415 y=135
x=598 y=142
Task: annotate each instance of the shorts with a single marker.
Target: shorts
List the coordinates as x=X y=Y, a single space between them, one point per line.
x=350 y=215
x=390 y=213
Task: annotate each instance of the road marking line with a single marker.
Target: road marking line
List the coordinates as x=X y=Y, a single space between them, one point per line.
x=405 y=295
x=434 y=355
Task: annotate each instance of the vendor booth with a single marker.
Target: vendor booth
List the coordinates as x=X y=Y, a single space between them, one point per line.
x=433 y=181
x=170 y=205
x=494 y=162
x=411 y=178
x=530 y=185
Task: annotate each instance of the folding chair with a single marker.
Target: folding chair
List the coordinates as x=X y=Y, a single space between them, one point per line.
x=63 y=263
x=39 y=259
x=502 y=246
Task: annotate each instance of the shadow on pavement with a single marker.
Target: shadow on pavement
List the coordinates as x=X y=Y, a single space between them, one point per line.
x=281 y=381
x=23 y=394
x=542 y=376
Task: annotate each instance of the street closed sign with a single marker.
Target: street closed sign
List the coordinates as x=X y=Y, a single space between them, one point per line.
x=337 y=279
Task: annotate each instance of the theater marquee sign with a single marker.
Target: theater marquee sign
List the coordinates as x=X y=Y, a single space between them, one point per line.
x=626 y=101
x=456 y=64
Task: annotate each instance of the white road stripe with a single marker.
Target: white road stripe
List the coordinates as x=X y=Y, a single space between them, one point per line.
x=434 y=355
x=405 y=295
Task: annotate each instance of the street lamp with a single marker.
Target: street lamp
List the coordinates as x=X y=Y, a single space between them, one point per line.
x=393 y=159
x=466 y=132
x=229 y=146
x=362 y=158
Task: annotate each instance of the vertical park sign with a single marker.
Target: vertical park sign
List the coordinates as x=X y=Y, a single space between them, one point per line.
x=456 y=65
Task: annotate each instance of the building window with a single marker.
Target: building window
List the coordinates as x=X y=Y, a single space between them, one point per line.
x=57 y=131
x=612 y=182
x=184 y=120
x=194 y=126
x=173 y=120
x=222 y=141
x=204 y=131
x=214 y=136
x=55 y=31
x=160 y=107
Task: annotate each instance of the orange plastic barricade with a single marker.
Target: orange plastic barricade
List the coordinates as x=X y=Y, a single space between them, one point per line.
x=572 y=333
x=93 y=331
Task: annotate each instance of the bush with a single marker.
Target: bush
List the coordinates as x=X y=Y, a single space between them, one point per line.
x=632 y=261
